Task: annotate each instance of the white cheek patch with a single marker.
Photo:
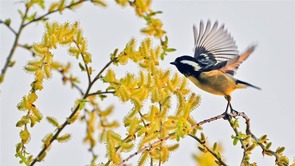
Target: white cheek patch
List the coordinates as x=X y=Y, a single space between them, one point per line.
x=195 y=65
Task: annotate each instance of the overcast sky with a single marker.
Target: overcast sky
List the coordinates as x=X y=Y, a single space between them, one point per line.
x=270 y=24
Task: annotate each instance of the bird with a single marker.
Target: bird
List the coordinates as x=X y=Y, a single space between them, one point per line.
x=215 y=62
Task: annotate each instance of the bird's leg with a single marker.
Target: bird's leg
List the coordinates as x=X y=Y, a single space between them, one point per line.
x=226 y=114
x=232 y=111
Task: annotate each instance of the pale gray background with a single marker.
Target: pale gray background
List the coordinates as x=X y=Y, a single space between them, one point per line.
x=270 y=24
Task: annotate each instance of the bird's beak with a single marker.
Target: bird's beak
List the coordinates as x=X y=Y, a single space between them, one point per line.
x=173 y=63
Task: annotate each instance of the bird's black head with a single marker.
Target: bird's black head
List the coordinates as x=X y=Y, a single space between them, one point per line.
x=187 y=65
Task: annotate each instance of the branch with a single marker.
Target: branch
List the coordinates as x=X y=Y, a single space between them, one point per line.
x=73 y=84
x=85 y=64
x=101 y=92
x=54 y=11
x=78 y=88
x=9 y=27
x=28 y=48
x=55 y=135
x=22 y=26
x=241 y=141
x=8 y=59
x=60 y=129
x=103 y=69
x=209 y=150
x=222 y=116
x=99 y=74
x=249 y=132
x=147 y=147
x=168 y=137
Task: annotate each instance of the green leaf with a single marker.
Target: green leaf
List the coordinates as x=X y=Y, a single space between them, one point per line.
x=268 y=145
x=41 y=4
x=280 y=149
x=7 y=22
x=203 y=138
x=170 y=49
x=251 y=147
x=11 y=63
x=1 y=78
x=202 y=149
x=82 y=103
x=163 y=55
x=32 y=17
x=81 y=67
x=102 y=97
x=235 y=141
x=114 y=54
x=215 y=146
x=263 y=139
x=154 y=13
x=18 y=147
x=21 y=13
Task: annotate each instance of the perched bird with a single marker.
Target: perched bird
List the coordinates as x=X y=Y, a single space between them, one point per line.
x=215 y=62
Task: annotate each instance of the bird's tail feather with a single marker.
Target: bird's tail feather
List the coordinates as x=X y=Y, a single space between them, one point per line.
x=247 y=84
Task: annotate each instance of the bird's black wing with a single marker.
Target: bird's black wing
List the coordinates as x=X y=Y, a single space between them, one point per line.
x=214 y=45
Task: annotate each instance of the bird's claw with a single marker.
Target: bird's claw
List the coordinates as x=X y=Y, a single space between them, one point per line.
x=227 y=116
x=233 y=112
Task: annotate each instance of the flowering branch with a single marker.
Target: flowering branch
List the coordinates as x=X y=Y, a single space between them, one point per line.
x=145 y=148
x=22 y=26
x=42 y=17
x=246 y=148
x=69 y=119
x=211 y=151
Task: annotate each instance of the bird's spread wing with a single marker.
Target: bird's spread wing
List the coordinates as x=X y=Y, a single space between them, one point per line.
x=214 y=44
x=232 y=65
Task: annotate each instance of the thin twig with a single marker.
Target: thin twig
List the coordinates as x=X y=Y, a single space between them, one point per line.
x=117 y=148
x=66 y=122
x=78 y=88
x=9 y=27
x=26 y=47
x=101 y=92
x=60 y=129
x=54 y=11
x=241 y=141
x=85 y=65
x=209 y=120
x=209 y=150
x=144 y=149
x=22 y=26
x=102 y=70
x=168 y=137
x=8 y=59
x=248 y=132
x=222 y=116
x=73 y=84
x=99 y=74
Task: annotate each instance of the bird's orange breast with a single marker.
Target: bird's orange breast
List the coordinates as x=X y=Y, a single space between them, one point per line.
x=216 y=82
